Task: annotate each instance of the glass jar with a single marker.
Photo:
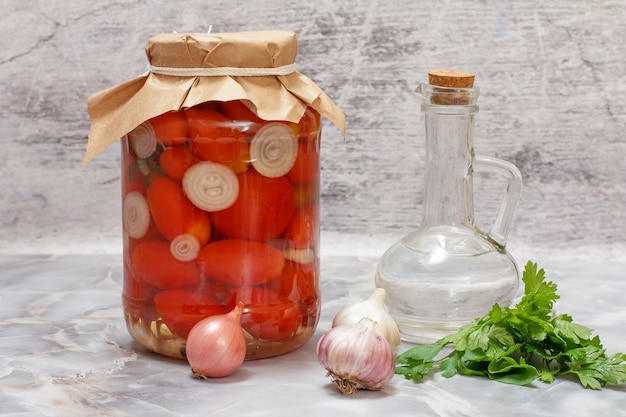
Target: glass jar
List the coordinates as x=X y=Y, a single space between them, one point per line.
x=220 y=187
x=220 y=206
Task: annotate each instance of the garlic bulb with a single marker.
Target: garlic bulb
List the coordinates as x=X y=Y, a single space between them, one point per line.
x=372 y=308
x=357 y=356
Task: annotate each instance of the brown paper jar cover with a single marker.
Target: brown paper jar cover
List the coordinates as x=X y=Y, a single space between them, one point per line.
x=118 y=110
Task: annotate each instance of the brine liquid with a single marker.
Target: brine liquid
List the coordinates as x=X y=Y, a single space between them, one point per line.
x=221 y=207
x=442 y=282
x=150 y=331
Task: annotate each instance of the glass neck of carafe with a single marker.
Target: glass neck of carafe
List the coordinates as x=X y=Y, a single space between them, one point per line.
x=448 y=199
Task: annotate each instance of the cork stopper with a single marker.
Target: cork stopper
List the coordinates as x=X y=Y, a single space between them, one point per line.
x=450 y=80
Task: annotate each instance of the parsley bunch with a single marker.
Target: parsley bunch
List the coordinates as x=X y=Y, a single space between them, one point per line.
x=520 y=344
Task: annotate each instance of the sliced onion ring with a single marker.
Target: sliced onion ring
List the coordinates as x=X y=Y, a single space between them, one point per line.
x=142 y=165
x=185 y=247
x=143 y=140
x=274 y=149
x=301 y=256
x=136 y=215
x=211 y=186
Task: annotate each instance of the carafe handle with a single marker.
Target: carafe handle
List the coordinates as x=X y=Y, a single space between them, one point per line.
x=500 y=229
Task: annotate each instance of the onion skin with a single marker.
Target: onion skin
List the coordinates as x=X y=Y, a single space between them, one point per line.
x=357 y=356
x=216 y=345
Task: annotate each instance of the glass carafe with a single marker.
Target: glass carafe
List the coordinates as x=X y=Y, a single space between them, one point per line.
x=448 y=272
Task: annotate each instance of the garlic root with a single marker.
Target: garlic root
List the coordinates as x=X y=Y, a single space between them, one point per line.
x=346 y=386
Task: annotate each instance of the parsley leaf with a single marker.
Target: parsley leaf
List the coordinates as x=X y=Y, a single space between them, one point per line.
x=518 y=345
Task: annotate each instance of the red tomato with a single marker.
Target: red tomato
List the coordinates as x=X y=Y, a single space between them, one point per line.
x=309 y=125
x=240 y=262
x=306 y=169
x=175 y=160
x=173 y=213
x=248 y=121
x=267 y=314
x=238 y=111
x=155 y=264
x=262 y=211
x=215 y=137
x=302 y=232
x=297 y=282
x=181 y=309
x=170 y=128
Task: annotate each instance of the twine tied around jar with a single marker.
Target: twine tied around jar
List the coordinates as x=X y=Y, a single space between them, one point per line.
x=223 y=71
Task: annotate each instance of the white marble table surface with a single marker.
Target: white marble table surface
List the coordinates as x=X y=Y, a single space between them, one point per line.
x=64 y=350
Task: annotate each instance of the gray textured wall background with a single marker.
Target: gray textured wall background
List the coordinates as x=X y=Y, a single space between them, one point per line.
x=552 y=76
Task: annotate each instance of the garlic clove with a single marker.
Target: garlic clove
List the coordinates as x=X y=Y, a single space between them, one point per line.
x=357 y=356
x=374 y=309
